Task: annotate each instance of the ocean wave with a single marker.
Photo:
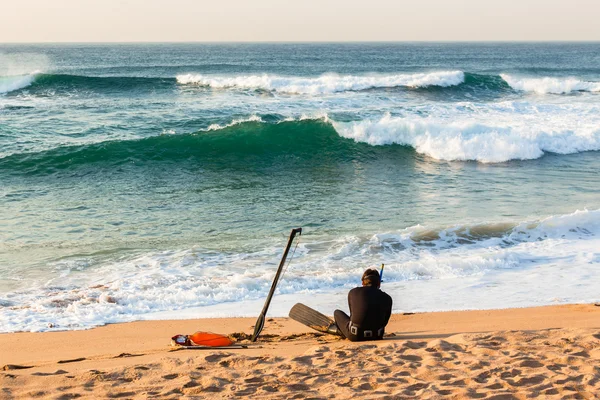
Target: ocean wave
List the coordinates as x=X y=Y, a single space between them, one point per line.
x=19 y=70
x=318 y=139
x=12 y=83
x=233 y=145
x=580 y=224
x=551 y=85
x=325 y=84
x=43 y=81
x=470 y=140
x=101 y=82
x=130 y=289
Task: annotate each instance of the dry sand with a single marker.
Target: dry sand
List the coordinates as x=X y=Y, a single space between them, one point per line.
x=546 y=352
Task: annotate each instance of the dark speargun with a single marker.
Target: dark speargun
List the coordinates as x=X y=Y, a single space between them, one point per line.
x=260 y=322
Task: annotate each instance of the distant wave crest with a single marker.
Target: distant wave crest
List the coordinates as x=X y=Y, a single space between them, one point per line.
x=12 y=83
x=320 y=85
x=551 y=85
x=329 y=83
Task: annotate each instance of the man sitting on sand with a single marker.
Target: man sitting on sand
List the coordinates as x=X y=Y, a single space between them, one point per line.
x=370 y=310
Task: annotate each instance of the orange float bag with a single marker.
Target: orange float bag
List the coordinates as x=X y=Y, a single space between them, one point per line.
x=205 y=339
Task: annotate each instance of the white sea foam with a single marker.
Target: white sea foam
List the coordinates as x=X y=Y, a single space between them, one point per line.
x=475 y=138
x=18 y=70
x=12 y=64
x=318 y=116
x=11 y=83
x=465 y=266
x=329 y=83
x=252 y=118
x=257 y=118
x=551 y=85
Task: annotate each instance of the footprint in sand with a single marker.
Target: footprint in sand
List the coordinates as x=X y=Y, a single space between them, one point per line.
x=212 y=389
x=57 y=372
x=415 y=345
x=216 y=357
x=67 y=396
x=190 y=384
x=246 y=391
x=307 y=360
x=409 y=357
x=503 y=396
x=10 y=367
x=510 y=374
x=531 y=364
x=530 y=381
x=446 y=377
x=482 y=377
x=71 y=360
x=254 y=379
x=37 y=394
x=298 y=387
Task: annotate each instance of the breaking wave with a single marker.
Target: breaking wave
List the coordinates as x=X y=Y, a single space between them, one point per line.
x=253 y=140
x=466 y=140
x=12 y=83
x=324 y=84
x=329 y=83
x=551 y=85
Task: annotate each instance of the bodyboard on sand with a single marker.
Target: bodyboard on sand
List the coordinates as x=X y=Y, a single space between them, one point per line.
x=311 y=318
x=201 y=339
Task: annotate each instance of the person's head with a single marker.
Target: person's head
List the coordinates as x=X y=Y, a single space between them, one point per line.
x=371 y=278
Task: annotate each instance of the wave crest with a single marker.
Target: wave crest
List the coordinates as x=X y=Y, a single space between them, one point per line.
x=12 y=83
x=217 y=127
x=329 y=83
x=463 y=141
x=551 y=85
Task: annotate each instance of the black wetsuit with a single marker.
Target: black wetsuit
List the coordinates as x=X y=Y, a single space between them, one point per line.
x=370 y=311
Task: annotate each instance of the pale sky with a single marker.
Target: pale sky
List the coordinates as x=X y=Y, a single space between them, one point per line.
x=301 y=20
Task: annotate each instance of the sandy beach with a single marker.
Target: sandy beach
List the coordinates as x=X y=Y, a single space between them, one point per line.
x=546 y=352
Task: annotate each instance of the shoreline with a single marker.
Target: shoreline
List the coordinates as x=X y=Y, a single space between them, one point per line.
x=154 y=335
x=68 y=359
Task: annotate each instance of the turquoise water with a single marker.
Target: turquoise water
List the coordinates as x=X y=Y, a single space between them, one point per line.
x=168 y=176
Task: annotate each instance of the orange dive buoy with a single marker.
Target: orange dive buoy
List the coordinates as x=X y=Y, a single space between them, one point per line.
x=208 y=339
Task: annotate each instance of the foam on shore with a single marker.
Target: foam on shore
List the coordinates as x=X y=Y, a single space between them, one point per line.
x=462 y=260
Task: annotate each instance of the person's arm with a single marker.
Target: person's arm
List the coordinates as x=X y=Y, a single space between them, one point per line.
x=389 y=312
x=350 y=302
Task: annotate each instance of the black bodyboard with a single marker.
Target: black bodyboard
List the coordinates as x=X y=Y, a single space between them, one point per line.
x=311 y=318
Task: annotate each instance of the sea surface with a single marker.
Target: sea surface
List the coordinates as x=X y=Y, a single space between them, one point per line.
x=151 y=181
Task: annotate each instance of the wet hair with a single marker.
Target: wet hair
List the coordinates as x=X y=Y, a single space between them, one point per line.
x=371 y=278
